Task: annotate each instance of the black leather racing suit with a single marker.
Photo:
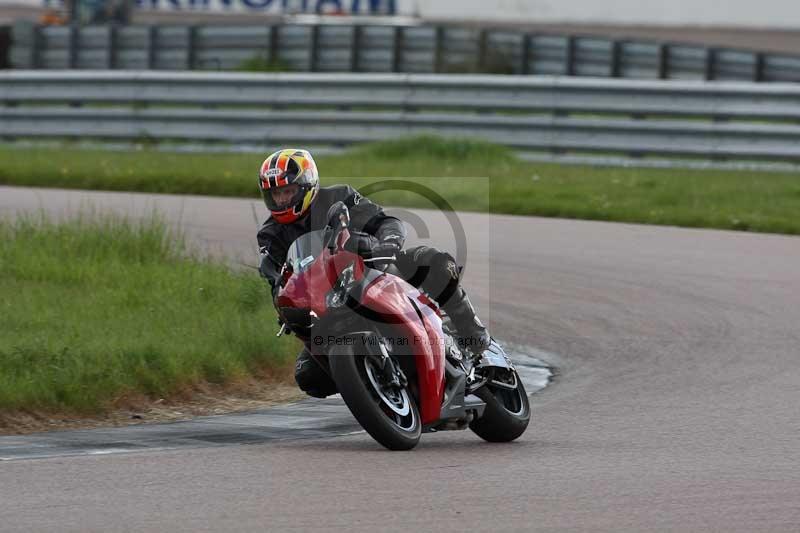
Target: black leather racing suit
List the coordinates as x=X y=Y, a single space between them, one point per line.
x=425 y=267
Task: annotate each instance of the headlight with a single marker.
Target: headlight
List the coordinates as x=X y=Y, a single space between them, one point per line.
x=338 y=294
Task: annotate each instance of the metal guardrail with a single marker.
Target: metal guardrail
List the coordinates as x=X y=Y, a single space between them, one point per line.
x=368 y=48
x=556 y=114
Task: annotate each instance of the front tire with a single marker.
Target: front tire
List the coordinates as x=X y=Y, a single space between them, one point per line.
x=507 y=413
x=391 y=417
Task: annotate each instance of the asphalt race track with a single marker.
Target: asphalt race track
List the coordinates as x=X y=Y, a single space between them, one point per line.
x=676 y=407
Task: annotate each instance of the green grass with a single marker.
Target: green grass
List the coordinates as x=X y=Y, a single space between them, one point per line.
x=740 y=200
x=260 y=63
x=97 y=309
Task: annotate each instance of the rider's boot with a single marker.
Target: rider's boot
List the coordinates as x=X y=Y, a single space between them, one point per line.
x=311 y=378
x=472 y=334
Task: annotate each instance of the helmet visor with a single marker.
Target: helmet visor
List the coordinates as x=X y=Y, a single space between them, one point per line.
x=283 y=198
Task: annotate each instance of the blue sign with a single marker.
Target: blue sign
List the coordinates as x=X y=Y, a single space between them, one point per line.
x=355 y=7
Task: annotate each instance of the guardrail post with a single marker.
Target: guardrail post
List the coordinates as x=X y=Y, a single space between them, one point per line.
x=313 y=52
x=73 y=56
x=397 y=48
x=274 y=42
x=38 y=47
x=615 y=70
x=663 y=61
x=113 y=45
x=438 y=50
x=759 y=67
x=151 y=47
x=72 y=47
x=525 y=54
x=483 y=51
x=710 y=66
x=569 y=57
x=355 y=46
x=191 y=44
x=5 y=47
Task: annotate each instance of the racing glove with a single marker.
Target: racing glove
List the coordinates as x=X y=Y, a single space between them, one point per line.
x=361 y=243
x=388 y=246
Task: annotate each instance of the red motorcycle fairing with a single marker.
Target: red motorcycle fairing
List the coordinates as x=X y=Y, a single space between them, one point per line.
x=308 y=289
x=391 y=300
x=417 y=320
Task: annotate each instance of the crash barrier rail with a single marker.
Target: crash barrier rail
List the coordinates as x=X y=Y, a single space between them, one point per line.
x=709 y=120
x=373 y=48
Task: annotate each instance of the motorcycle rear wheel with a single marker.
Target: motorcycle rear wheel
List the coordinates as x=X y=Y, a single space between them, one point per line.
x=507 y=413
x=390 y=417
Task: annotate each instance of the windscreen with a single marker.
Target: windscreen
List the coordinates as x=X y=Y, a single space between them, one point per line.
x=305 y=249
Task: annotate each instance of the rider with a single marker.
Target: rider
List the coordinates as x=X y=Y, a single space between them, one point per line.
x=289 y=183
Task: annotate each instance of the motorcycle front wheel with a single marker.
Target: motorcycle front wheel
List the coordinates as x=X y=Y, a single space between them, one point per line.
x=388 y=413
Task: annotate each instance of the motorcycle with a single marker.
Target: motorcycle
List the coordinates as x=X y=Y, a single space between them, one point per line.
x=392 y=353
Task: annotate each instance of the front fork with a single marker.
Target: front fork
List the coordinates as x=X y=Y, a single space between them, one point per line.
x=392 y=373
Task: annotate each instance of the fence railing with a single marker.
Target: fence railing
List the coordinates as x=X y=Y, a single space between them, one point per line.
x=737 y=121
x=367 y=48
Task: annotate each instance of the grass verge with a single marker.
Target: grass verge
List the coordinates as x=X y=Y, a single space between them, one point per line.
x=738 y=200
x=99 y=309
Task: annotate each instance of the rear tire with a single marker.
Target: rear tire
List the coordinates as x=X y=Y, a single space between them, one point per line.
x=507 y=413
x=369 y=407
